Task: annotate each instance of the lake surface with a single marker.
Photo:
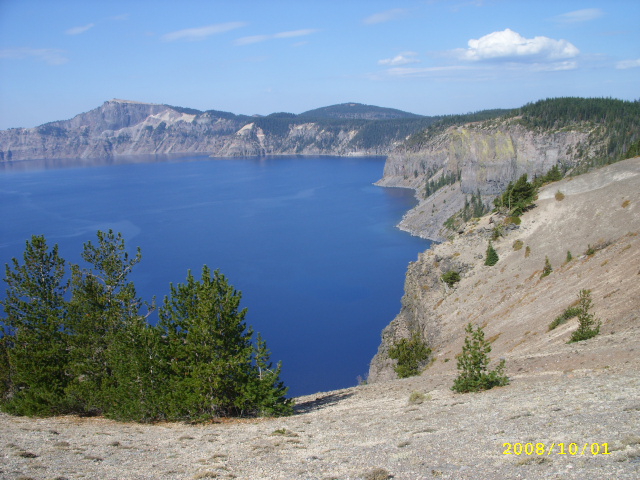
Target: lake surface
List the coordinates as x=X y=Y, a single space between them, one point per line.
x=309 y=241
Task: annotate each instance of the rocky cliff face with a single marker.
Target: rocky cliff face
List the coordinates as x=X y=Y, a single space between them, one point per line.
x=486 y=156
x=122 y=127
x=511 y=300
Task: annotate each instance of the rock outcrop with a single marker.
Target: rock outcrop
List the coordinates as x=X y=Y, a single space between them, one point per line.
x=121 y=127
x=515 y=305
x=486 y=156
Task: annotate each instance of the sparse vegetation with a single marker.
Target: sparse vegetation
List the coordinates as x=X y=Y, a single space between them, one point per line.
x=473 y=362
x=588 y=326
x=491 y=256
x=450 y=278
x=518 y=197
x=564 y=317
x=416 y=398
x=497 y=232
x=547 y=268
x=377 y=474
x=411 y=354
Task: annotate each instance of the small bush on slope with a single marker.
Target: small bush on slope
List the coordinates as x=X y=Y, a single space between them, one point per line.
x=473 y=362
x=410 y=355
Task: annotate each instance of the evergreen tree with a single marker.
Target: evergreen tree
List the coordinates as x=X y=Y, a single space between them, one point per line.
x=518 y=198
x=264 y=394
x=491 y=256
x=34 y=339
x=139 y=374
x=96 y=353
x=211 y=355
x=588 y=326
x=473 y=363
x=410 y=355
x=104 y=303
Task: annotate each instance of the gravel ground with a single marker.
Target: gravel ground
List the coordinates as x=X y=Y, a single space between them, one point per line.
x=369 y=432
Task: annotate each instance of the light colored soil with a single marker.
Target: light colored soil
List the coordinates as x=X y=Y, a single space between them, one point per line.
x=347 y=434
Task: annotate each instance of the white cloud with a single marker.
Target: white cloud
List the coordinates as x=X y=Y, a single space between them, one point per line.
x=50 y=56
x=295 y=33
x=403 y=58
x=79 y=30
x=384 y=16
x=424 y=72
x=252 y=39
x=625 y=64
x=508 y=45
x=263 y=38
x=201 y=33
x=554 y=66
x=121 y=18
x=579 y=16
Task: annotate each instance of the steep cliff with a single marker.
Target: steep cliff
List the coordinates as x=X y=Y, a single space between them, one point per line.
x=597 y=212
x=121 y=127
x=479 y=154
x=485 y=156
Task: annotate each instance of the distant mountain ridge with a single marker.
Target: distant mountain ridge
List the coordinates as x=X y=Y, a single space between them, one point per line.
x=124 y=127
x=358 y=111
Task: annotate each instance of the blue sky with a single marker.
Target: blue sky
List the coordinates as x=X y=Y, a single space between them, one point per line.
x=60 y=58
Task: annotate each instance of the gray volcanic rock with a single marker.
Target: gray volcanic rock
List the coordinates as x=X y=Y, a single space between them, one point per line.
x=121 y=127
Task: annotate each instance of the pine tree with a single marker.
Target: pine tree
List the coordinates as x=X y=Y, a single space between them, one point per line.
x=410 y=355
x=473 y=362
x=103 y=305
x=588 y=326
x=265 y=393
x=33 y=336
x=211 y=354
x=491 y=256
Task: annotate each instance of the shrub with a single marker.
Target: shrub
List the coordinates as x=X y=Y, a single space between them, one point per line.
x=588 y=326
x=517 y=245
x=416 y=398
x=569 y=256
x=497 y=232
x=568 y=314
x=451 y=278
x=473 y=362
x=410 y=355
x=559 y=196
x=547 y=268
x=518 y=198
x=491 y=256
x=527 y=251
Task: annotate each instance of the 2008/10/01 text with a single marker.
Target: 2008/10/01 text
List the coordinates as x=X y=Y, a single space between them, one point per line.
x=557 y=448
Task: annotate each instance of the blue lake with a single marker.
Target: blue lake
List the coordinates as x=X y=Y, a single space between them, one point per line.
x=310 y=242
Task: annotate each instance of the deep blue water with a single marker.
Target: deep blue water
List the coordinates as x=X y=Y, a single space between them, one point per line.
x=309 y=241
